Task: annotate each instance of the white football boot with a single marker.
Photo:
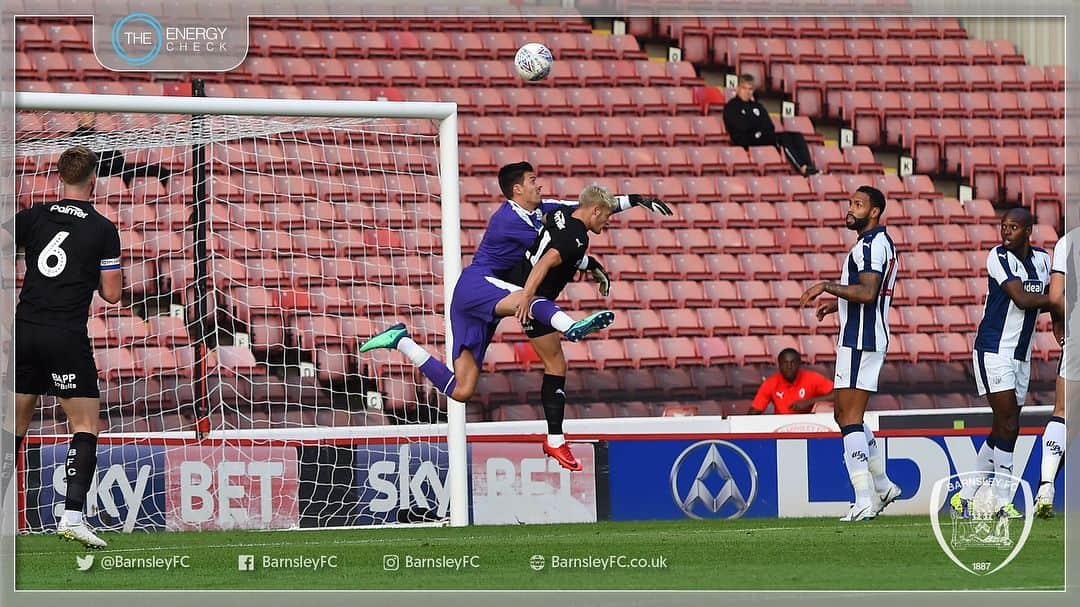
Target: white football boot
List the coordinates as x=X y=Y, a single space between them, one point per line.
x=886 y=498
x=859 y=512
x=79 y=532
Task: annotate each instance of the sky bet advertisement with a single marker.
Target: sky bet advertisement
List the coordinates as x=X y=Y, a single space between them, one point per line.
x=193 y=486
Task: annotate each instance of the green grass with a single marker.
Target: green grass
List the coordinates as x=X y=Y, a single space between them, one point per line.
x=891 y=553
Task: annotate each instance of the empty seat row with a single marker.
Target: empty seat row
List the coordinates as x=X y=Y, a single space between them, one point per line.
x=818 y=90
x=652 y=160
x=82 y=67
x=406 y=44
x=936 y=145
x=441 y=19
x=997 y=172
x=459 y=72
x=682 y=28
x=767 y=57
x=876 y=117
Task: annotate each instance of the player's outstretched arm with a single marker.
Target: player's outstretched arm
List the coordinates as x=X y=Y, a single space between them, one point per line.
x=626 y=202
x=651 y=203
x=863 y=293
x=536 y=276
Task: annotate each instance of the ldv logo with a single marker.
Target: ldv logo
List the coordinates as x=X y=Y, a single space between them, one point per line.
x=84 y=563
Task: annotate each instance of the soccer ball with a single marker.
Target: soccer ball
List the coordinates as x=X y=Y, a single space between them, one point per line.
x=533 y=61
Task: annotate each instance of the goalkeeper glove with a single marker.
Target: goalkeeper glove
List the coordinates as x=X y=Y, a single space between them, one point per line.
x=599 y=275
x=650 y=202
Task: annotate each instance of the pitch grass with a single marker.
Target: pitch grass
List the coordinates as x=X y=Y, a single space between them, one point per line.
x=891 y=553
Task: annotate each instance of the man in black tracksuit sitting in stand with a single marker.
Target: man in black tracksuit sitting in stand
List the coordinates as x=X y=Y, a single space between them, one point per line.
x=748 y=124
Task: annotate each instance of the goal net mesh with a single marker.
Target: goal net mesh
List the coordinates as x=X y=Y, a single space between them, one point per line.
x=319 y=232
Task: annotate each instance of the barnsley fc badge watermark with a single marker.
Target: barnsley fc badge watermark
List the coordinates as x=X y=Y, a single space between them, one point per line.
x=181 y=40
x=982 y=534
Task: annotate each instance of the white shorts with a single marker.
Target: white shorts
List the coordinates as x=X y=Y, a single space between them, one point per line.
x=857 y=369
x=998 y=373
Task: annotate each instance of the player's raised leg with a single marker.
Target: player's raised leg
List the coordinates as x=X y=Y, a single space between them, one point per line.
x=553 y=398
x=478 y=304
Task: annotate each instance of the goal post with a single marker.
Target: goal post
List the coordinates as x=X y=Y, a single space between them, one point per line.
x=388 y=144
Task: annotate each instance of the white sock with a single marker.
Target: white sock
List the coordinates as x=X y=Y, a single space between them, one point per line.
x=72 y=517
x=413 y=351
x=877 y=461
x=855 y=458
x=1053 y=447
x=984 y=465
x=1003 y=465
x=555 y=440
x=561 y=321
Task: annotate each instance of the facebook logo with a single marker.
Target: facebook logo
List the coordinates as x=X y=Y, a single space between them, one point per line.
x=245 y=562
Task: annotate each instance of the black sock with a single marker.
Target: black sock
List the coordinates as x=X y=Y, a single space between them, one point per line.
x=80 y=465
x=554 y=399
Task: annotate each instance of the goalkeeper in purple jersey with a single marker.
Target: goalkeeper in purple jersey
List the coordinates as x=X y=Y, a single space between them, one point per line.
x=483 y=296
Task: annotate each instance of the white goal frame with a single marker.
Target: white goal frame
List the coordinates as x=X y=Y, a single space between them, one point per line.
x=445 y=113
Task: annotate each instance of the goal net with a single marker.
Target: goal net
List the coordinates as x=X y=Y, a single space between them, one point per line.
x=262 y=241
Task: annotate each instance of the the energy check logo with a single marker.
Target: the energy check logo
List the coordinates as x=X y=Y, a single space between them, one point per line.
x=138 y=38
x=983 y=531
x=143 y=41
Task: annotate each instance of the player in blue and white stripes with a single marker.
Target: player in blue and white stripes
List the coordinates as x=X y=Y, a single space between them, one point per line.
x=862 y=296
x=1016 y=293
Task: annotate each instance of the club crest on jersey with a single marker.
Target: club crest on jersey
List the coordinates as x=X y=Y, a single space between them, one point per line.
x=68 y=209
x=560 y=220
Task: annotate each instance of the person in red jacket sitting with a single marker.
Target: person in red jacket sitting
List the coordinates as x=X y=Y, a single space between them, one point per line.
x=792 y=389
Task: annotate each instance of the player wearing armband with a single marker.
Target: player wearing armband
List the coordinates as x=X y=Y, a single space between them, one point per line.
x=71 y=250
x=549 y=264
x=482 y=296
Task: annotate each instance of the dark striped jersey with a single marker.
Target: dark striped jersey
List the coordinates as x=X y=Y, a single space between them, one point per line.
x=866 y=326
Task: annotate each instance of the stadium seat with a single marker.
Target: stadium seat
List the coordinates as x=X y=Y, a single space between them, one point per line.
x=715 y=350
x=647 y=323
x=753 y=321
x=610 y=354
x=683 y=322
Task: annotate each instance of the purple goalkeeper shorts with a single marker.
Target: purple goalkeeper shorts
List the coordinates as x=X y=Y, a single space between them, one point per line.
x=472 y=311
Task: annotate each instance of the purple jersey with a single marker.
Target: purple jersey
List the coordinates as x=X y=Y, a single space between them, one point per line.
x=510 y=232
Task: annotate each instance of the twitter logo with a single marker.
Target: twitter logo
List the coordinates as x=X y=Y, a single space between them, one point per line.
x=84 y=563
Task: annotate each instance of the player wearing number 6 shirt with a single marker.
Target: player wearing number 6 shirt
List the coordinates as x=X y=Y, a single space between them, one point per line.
x=71 y=250
x=1018 y=275
x=862 y=301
